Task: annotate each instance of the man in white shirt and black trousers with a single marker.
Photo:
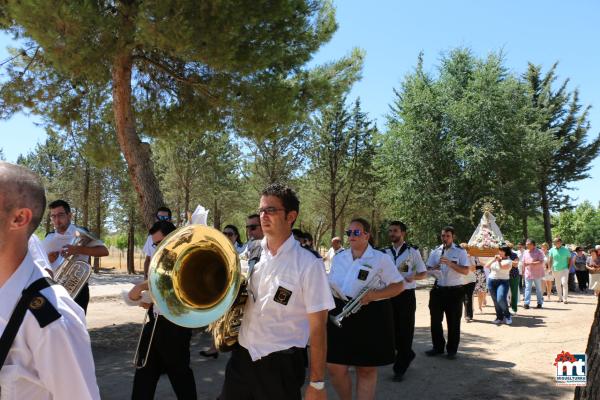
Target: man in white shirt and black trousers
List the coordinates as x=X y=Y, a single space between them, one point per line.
x=449 y=264
x=288 y=301
x=45 y=350
x=60 y=215
x=410 y=264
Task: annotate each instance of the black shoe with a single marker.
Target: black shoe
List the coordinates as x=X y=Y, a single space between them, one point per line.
x=526 y=306
x=433 y=353
x=206 y=354
x=451 y=356
x=539 y=306
x=398 y=377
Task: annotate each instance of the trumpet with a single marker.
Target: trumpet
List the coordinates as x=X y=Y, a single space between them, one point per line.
x=354 y=305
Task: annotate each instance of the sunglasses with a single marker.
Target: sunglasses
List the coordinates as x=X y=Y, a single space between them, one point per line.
x=355 y=232
x=252 y=227
x=163 y=217
x=228 y=234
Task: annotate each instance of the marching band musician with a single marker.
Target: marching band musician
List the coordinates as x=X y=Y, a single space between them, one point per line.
x=288 y=300
x=45 y=350
x=162 y=214
x=60 y=215
x=408 y=261
x=366 y=339
x=169 y=343
x=449 y=263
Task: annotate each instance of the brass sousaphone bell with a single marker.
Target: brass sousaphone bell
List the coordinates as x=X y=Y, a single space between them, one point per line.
x=195 y=276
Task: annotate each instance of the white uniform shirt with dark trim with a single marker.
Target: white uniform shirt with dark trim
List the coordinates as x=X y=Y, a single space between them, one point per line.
x=448 y=276
x=283 y=289
x=350 y=276
x=149 y=248
x=408 y=261
x=53 y=362
x=71 y=233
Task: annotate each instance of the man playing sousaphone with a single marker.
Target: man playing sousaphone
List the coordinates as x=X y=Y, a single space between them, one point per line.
x=164 y=347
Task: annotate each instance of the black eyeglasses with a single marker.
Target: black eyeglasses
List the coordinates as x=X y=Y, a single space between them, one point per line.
x=154 y=244
x=228 y=234
x=269 y=210
x=252 y=227
x=355 y=232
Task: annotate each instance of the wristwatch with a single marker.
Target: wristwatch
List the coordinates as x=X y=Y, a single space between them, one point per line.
x=319 y=385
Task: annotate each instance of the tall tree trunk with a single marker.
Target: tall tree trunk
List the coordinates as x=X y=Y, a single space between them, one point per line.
x=332 y=205
x=591 y=392
x=131 y=242
x=86 y=196
x=98 y=227
x=216 y=215
x=546 y=214
x=525 y=226
x=136 y=153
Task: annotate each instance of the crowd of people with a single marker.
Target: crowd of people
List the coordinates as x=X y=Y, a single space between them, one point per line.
x=352 y=309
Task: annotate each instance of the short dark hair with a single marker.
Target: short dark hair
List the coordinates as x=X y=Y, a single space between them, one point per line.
x=297 y=232
x=252 y=216
x=288 y=197
x=522 y=243
x=165 y=227
x=60 y=203
x=167 y=209
x=21 y=188
x=530 y=241
x=448 y=228
x=365 y=224
x=400 y=225
x=506 y=250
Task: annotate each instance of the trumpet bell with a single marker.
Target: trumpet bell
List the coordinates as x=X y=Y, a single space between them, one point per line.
x=194 y=276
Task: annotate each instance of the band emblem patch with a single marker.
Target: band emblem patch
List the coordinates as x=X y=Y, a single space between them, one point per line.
x=362 y=275
x=282 y=296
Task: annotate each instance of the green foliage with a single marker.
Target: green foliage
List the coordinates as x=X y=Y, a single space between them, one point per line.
x=452 y=139
x=580 y=226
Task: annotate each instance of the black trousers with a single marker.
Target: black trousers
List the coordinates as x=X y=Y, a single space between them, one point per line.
x=446 y=301
x=583 y=279
x=469 y=288
x=83 y=297
x=405 y=306
x=170 y=354
x=277 y=376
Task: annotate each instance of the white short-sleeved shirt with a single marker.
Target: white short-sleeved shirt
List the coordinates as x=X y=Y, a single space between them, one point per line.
x=448 y=276
x=149 y=248
x=496 y=272
x=283 y=289
x=350 y=276
x=470 y=277
x=408 y=261
x=71 y=233
x=54 y=362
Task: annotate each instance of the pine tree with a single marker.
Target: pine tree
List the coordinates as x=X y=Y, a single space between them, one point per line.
x=563 y=123
x=175 y=64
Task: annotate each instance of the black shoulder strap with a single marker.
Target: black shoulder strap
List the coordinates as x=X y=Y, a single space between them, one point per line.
x=32 y=300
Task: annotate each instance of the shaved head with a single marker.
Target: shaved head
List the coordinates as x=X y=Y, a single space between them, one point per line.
x=21 y=188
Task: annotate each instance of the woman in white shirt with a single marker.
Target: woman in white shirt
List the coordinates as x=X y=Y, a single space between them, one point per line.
x=366 y=339
x=498 y=284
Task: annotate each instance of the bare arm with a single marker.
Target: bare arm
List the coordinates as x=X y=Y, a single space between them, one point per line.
x=146 y=266
x=97 y=251
x=317 y=323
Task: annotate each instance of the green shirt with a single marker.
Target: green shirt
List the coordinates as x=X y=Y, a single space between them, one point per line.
x=560 y=258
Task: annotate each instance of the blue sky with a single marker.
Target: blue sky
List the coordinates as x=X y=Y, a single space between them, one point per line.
x=393 y=32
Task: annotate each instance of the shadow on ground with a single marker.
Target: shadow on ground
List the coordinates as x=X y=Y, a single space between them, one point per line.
x=473 y=375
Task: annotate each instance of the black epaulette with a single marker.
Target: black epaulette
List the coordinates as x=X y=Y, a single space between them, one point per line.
x=383 y=249
x=47 y=233
x=43 y=311
x=413 y=246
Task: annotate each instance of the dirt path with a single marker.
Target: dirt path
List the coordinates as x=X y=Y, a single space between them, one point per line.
x=495 y=362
